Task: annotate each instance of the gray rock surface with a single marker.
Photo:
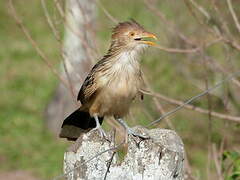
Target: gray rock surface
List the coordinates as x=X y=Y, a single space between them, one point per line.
x=159 y=158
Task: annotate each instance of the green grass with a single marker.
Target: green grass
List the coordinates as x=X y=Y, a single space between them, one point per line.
x=27 y=85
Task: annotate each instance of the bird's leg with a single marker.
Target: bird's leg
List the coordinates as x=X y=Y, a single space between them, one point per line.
x=98 y=127
x=130 y=130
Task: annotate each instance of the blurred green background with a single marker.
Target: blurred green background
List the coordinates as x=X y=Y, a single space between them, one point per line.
x=27 y=85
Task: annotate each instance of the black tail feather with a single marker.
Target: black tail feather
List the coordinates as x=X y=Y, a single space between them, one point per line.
x=76 y=123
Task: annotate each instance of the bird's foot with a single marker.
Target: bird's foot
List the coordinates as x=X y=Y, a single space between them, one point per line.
x=101 y=131
x=141 y=138
x=130 y=131
x=99 y=128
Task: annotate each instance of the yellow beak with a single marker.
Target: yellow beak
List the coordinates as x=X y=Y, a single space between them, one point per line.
x=149 y=35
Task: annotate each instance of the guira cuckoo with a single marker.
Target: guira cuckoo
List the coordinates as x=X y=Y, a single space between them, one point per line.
x=112 y=84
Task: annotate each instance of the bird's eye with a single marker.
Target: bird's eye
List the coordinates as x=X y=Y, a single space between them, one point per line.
x=138 y=39
x=132 y=33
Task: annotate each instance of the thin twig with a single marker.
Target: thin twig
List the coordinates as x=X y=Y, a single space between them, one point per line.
x=60 y=10
x=175 y=50
x=19 y=22
x=230 y=77
x=173 y=29
x=192 y=107
x=111 y=159
x=217 y=162
x=221 y=17
x=169 y=25
x=209 y=102
x=162 y=111
x=201 y=9
x=34 y=44
x=158 y=105
x=229 y=2
x=215 y=31
x=49 y=21
x=106 y=12
x=109 y=165
x=76 y=32
x=88 y=26
x=193 y=50
x=72 y=90
x=232 y=43
x=169 y=123
x=221 y=68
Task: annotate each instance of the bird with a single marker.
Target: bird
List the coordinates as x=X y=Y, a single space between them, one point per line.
x=112 y=84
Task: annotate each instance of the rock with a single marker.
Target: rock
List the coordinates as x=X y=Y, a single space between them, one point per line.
x=159 y=158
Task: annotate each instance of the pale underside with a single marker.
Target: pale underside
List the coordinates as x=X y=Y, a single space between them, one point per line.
x=117 y=86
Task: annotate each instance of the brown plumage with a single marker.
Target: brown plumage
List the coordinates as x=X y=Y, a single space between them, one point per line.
x=112 y=84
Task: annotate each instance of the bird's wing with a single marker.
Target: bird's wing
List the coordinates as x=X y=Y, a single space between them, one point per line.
x=90 y=86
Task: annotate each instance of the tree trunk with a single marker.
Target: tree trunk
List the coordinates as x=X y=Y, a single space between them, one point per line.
x=78 y=53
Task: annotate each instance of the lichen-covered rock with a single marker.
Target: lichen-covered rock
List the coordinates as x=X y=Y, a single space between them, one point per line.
x=158 y=158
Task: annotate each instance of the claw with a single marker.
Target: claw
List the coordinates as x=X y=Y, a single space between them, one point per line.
x=99 y=128
x=101 y=131
x=131 y=132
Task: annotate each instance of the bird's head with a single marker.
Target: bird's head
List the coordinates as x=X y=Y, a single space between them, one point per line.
x=132 y=35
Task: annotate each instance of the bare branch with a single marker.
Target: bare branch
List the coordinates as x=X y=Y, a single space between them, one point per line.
x=222 y=69
x=106 y=12
x=85 y=43
x=192 y=107
x=217 y=162
x=230 y=77
x=49 y=21
x=232 y=43
x=60 y=10
x=169 y=25
x=57 y=37
x=194 y=50
x=34 y=44
x=172 y=50
x=209 y=102
x=157 y=104
x=215 y=31
x=221 y=18
x=109 y=164
x=229 y=2
x=200 y=9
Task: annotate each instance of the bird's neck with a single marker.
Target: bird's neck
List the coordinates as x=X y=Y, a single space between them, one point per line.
x=120 y=53
x=122 y=65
